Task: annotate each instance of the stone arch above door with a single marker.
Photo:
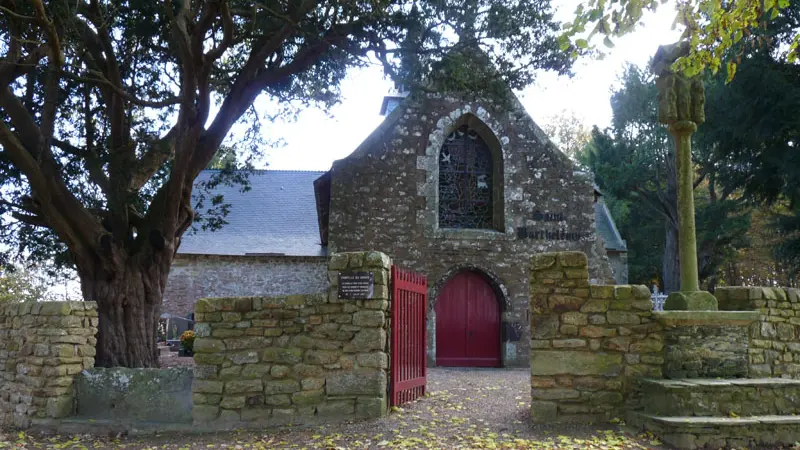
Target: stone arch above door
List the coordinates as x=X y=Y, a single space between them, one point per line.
x=478 y=119
x=499 y=286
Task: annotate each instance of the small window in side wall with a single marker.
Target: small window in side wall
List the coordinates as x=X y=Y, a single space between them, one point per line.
x=465 y=181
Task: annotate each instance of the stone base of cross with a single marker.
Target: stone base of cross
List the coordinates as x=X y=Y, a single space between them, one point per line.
x=691 y=301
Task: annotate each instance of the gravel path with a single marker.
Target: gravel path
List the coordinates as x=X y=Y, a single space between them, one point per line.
x=464 y=408
x=473 y=408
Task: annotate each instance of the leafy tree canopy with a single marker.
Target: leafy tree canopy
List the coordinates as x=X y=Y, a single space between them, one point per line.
x=712 y=28
x=18 y=284
x=569 y=133
x=752 y=133
x=110 y=109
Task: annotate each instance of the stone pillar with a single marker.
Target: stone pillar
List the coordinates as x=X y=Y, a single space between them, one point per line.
x=43 y=347
x=588 y=343
x=680 y=106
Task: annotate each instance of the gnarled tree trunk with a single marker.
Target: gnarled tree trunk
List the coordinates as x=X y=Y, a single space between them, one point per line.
x=128 y=303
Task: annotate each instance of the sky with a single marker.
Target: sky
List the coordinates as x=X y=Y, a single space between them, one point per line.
x=317 y=137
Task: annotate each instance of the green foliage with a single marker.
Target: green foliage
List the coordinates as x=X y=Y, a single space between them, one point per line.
x=634 y=166
x=568 y=132
x=21 y=285
x=225 y=158
x=711 y=28
x=756 y=264
x=753 y=132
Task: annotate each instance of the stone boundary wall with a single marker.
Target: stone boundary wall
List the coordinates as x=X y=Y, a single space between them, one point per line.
x=296 y=359
x=135 y=395
x=43 y=346
x=588 y=342
x=210 y=276
x=705 y=344
x=774 y=349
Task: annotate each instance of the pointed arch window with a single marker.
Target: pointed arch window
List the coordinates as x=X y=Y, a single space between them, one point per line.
x=465 y=181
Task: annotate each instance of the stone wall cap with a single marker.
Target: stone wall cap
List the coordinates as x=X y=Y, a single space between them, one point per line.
x=709 y=318
x=695 y=382
x=702 y=422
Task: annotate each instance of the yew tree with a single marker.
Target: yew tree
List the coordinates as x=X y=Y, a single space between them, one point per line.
x=110 y=109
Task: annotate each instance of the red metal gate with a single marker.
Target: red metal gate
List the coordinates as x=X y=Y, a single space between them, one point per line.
x=409 y=308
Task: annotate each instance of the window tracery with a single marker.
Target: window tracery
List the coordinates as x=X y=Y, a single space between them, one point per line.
x=465 y=181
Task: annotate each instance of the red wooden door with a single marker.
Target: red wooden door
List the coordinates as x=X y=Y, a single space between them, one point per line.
x=468 y=323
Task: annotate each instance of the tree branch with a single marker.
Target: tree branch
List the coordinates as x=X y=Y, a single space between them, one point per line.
x=698 y=181
x=120 y=133
x=9 y=71
x=227 y=34
x=64 y=213
x=16 y=15
x=53 y=39
x=93 y=163
x=29 y=134
x=153 y=159
x=30 y=220
x=122 y=93
x=208 y=60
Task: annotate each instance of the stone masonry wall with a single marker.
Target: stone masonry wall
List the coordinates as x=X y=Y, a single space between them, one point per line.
x=703 y=344
x=588 y=342
x=197 y=276
x=43 y=346
x=386 y=193
x=774 y=349
x=300 y=358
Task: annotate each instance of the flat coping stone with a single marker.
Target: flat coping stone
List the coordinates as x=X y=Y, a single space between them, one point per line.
x=708 y=382
x=666 y=383
x=707 y=318
x=779 y=419
x=701 y=422
x=688 y=383
x=765 y=381
x=710 y=421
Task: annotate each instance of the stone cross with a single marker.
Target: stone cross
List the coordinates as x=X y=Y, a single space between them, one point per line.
x=680 y=106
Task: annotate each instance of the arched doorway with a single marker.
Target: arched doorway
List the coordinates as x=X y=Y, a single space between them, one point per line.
x=468 y=322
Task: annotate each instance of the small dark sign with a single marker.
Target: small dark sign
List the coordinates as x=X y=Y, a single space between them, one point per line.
x=356 y=285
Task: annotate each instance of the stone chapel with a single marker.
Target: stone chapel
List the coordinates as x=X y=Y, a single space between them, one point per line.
x=464 y=190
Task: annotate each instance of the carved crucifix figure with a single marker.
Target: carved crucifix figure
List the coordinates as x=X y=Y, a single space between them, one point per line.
x=681 y=107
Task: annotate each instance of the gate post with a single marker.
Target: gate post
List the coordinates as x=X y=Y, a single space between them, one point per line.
x=589 y=343
x=366 y=314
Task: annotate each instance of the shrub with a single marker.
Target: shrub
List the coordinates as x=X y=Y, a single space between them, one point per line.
x=187 y=341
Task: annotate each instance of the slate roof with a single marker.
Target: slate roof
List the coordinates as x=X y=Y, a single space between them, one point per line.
x=607 y=229
x=277 y=216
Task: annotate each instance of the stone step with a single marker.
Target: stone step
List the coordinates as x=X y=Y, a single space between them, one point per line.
x=720 y=398
x=689 y=432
